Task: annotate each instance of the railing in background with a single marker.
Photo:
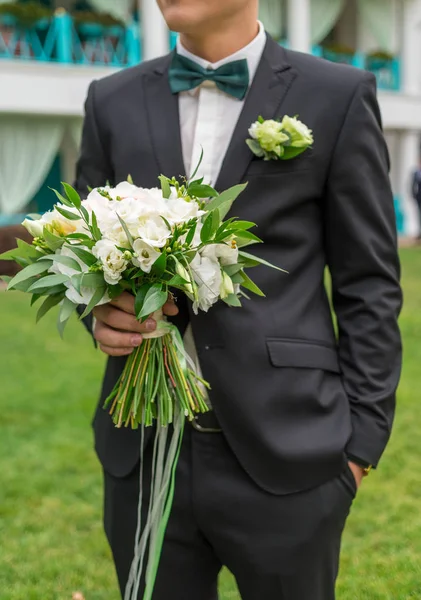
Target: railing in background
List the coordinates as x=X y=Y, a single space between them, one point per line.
x=63 y=40
x=387 y=70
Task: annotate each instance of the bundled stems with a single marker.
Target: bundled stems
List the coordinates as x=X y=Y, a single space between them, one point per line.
x=156 y=382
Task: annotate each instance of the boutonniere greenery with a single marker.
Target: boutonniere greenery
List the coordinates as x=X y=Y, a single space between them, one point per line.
x=279 y=140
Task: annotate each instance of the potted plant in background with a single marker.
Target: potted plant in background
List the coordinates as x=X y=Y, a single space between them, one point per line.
x=26 y=15
x=23 y=28
x=100 y=35
x=338 y=53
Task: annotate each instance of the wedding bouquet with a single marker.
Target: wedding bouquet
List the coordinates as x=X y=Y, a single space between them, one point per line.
x=151 y=243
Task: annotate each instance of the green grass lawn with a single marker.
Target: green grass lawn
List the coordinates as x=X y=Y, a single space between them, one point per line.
x=51 y=540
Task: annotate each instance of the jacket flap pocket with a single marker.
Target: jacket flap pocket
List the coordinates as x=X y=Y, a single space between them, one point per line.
x=302 y=354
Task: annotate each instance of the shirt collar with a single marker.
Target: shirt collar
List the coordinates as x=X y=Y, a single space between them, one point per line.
x=252 y=53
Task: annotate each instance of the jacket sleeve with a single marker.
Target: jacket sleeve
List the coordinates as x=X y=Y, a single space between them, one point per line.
x=93 y=167
x=361 y=247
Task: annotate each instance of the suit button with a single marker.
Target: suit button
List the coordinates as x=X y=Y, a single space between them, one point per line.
x=207 y=347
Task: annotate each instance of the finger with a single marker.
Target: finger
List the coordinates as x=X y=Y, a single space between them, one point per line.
x=170 y=309
x=118 y=319
x=107 y=336
x=124 y=302
x=115 y=351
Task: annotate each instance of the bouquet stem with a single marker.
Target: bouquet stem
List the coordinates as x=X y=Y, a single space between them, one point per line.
x=158 y=378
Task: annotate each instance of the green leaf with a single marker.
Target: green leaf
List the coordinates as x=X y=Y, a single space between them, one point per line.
x=190 y=235
x=261 y=119
x=78 y=236
x=225 y=200
x=85 y=214
x=255 y=147
x=210 y=226
x=62 y=199
x=177 y=280
x=165 y=186
x=154 y=299
x=291 y=152
x=27 y=250
x=24 y=286
x=124 y=226
x=48 y=304
x=47 y=282
x=233 y=269
x=67 y=214
x=95 y=229
x=34 y=269
x=6 y=278
x=76 y=281
x=130 y=179
x=201 y=190
x=115 y=290
x=85 y=256
x=159 y=266
x=10 y=254
x=197 y=181
x=97 y=297
x=56 y=289
x=232 y=300
x=93 y=280
x=241 y=225
x=72 y=195
x=35 y=298
x=250 y=285
x=54 y=242
x=237 y=278
x=67 y=308
x=67 y=261
x=245 y=238
x=140 y=297
x=259 y=261
x=198 y=165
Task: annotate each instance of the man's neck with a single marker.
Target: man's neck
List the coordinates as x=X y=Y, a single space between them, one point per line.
x=222 y=42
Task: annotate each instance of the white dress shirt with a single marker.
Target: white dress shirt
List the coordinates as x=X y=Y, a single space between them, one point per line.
x=208 y=117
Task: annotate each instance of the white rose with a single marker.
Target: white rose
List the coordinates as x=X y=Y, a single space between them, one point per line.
x=207 y=274
x=253 y=130
x=145 y=255
x=112 y=260
x=154 y=232
x=35 y=228
x=96 y=203
x=301 y=135
x=227 y=254
x=59 y=225
x=178 y=210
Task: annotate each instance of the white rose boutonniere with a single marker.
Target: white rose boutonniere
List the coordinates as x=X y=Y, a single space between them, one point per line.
x=279 y=140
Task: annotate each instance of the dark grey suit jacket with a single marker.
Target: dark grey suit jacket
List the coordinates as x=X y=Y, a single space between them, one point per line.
x=290 y=396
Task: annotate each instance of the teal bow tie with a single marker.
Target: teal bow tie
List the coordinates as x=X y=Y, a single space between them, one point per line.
x=232 y=78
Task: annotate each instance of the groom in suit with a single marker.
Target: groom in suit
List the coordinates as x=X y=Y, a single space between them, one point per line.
x=300 y=414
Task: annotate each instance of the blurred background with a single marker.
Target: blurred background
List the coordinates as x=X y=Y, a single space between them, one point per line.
x=51 y=540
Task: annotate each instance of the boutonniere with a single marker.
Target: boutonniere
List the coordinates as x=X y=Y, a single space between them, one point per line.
x=279 y=140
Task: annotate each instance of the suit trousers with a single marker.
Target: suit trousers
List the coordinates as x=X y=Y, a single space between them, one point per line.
x=278 y=547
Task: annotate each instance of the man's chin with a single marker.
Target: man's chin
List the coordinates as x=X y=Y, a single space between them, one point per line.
x=180 y=22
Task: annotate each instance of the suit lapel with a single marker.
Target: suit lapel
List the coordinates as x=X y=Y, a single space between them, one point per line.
x=270 y=85
x=164 y=121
